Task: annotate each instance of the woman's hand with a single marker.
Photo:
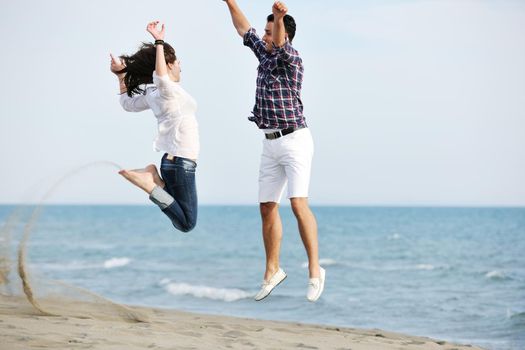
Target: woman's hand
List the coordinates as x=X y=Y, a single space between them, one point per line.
x=152 y=29
x=116 y=65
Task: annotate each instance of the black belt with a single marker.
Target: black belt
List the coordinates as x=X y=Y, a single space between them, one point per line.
x=283 y=132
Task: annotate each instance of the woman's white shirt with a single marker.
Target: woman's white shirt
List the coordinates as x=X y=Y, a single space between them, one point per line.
x=174 y=108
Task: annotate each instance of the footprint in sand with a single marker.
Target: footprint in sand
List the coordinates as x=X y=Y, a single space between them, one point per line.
x=414 y=342
x=284 y=330
x=214 y=325
x=304 y=346
x=24 y=338
x=234 y=334
x=191 y=334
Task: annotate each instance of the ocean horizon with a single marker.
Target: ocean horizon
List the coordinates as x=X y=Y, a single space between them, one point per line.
x=453 y=273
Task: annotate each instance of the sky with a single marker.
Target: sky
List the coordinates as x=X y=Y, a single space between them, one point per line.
x=409 y=102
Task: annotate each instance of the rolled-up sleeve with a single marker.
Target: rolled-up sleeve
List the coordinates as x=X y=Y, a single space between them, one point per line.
x=252 y=40
x=288 y=54
x=136 y=103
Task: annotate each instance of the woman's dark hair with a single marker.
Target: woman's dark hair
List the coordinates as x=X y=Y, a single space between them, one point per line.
x=140 y=66
x=289 y=25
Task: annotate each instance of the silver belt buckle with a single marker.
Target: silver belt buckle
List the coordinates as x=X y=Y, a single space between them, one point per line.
x=273 y=135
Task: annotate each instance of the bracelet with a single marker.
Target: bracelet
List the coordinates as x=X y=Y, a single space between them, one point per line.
x=159 y=42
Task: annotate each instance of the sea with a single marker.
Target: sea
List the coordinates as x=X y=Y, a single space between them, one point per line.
x=455 y=274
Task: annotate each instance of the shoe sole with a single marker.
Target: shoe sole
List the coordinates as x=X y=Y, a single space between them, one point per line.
x=266 y=296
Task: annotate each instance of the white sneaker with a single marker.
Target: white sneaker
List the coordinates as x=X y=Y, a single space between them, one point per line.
x=268 y=286
x=316 y=286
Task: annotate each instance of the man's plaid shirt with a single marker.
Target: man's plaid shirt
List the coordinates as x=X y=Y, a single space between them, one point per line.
x=278 y=102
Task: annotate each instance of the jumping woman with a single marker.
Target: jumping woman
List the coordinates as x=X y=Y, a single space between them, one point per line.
x=150 y=79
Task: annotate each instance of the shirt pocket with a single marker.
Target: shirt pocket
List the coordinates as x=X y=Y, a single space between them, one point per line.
x=274 y=82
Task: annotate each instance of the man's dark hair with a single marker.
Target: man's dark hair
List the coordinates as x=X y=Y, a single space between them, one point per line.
x=289 y=25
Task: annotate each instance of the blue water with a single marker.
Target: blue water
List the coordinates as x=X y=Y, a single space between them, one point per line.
x=456 y=274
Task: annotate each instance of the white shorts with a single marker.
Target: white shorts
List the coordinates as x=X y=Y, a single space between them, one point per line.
x=287 y=159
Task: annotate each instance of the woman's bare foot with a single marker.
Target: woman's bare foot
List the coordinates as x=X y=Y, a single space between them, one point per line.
x=146 y=178
x=156 y=177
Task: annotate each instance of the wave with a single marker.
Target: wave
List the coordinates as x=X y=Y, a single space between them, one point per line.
x=428 y=267
x=322 y=262
x=205 y=292
x=421 y=267
x=164 y=281
x=396 y=267
x=496 y=275
x=515 y=314
x=75 y=265
x=516 y=319
x=81 y=265
x=116 y=262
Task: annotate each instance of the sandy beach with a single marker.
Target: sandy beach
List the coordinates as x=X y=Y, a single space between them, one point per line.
x=23 y=327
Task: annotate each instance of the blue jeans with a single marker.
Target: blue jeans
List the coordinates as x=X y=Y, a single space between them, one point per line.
x=179 y=176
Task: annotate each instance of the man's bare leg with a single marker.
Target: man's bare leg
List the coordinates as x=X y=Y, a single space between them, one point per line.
x=272 y=235
x=146 y=178
x=308 y=230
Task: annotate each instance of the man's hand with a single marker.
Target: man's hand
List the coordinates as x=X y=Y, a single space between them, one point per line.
x=152 y=29
x=240 y=22
x=279 y=10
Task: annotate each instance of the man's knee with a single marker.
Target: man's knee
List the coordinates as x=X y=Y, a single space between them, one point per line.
x=299 y=206
x=268 y=209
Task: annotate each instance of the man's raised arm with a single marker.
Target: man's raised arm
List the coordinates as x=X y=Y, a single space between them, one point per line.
x=240 y=22
x=279 y=33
